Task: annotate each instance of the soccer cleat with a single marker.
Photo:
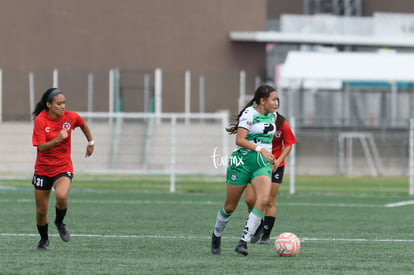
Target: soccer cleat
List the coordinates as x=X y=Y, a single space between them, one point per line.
x=63 y=232
x=241 y=248
x=264 y=240
x=215 y=244
x=42 y=245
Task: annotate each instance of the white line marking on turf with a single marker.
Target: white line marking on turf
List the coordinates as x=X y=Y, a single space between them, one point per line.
x=400 y=203
x=131 y=202
x=112 y=236
x=331 y=204
x=353 y=240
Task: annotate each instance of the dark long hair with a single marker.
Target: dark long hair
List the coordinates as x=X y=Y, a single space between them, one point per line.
x=263 y=91
x=47 y=96
x=280 y=119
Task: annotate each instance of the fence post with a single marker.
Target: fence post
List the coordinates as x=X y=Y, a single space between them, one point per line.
x=55 y=78
x=1 y=96
x=90 y=95
x=158 y=93
x=111 y=95
x=242 y=83
x=201 y=92
x=292 y=161
x=147 y=107
x=173 y=153
x=31 y=94
x=187 y=100
x=411 y=159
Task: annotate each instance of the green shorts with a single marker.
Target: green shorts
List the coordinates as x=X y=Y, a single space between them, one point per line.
x=242 y=169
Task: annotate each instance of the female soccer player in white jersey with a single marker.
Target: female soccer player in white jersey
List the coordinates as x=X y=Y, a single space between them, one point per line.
x=282 y=144
x=251 y=162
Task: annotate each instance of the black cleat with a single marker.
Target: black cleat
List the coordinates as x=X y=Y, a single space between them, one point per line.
x=241 y=248
x=42 y=245
x=264 y=240
x=63 y=232
x=215 y=244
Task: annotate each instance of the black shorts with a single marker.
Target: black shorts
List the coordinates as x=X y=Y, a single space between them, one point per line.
x=277 y=176
x=46 y=183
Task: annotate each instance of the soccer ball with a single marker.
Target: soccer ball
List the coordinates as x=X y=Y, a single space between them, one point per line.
x=287 y=244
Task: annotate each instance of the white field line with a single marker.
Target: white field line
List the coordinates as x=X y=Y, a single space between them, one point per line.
x=400 y=203
x=132 y=202
x=301 y=204
x=161 y=237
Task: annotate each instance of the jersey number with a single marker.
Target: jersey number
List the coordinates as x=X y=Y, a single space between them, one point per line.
x=39 y=182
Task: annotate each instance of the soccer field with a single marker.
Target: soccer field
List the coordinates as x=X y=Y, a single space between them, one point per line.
x=133 y=225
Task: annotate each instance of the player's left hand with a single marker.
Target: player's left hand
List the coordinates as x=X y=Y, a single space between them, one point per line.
x=89 y=150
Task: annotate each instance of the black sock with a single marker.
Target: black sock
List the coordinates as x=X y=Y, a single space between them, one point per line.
x=60 y=215
x=43 y=231
x=268 y=226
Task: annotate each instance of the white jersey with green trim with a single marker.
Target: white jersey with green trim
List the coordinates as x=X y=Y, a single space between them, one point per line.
x=261 y=128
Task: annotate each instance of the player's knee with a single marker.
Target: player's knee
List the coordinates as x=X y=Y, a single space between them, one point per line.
x=271 y=202
x=229 y=208
x=61 y=202
x=249 y=203
x=41 y=212
x=263 y=202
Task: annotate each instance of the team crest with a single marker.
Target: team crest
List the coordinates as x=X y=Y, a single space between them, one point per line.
x=66 y=126
x=278 y=134
x=233 y=177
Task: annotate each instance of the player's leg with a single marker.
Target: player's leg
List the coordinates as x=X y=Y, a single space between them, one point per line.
x=237 y=177
x=42 y=186
x=233 y=195
x=42 y=202
x=270 y=216
x=261 y=185
x=271 y=211
x=62 y=186
x=250 y=199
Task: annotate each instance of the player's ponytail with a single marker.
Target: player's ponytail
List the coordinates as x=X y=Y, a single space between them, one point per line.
x=47 y=96
x=280 y=119
x=263 y=91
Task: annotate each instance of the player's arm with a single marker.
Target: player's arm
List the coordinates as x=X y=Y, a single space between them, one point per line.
x=243 y=142
x=88 y=134
x=288 y=140
x=285 y=152
x=46 y=146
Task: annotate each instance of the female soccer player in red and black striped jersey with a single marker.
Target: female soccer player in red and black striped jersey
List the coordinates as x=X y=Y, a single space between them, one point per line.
x=281 y=146
x=52 y=131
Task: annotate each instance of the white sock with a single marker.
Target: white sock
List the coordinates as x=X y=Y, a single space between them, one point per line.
x=253 y=221
x=222 y=219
